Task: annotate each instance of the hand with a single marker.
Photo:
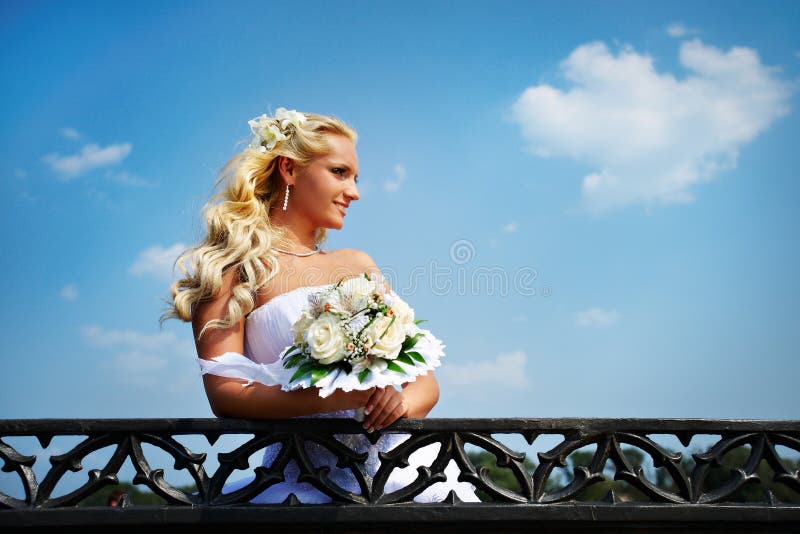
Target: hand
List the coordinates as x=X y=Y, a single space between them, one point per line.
x=350 y=400
x=386 y=406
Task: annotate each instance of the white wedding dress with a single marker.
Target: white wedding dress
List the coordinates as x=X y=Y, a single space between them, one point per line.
x=267 y=334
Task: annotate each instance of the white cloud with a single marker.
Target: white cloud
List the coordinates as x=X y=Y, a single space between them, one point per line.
x=504 y=371
x=400 y=177
x=70 y=133
x=510 y=228
x=157 y=261
x=648 y=135
x=597 y=317
x=98 y=336
x=91 y=157
x=126 y=178
x=677 y=29
x=69 y=292
x=139 y=358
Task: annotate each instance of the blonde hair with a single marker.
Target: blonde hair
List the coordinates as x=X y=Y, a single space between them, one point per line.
x=239 y=233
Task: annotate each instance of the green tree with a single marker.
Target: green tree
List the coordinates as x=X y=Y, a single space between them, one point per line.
x=503 y=476
x=138 y=495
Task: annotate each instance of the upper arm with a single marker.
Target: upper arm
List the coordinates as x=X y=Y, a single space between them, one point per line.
x=216 y=341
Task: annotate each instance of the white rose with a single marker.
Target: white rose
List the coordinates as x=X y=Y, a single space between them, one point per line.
x=404 y=314
x=301 y=325
x=389 y=345
x=374 y=364
x=326 y=339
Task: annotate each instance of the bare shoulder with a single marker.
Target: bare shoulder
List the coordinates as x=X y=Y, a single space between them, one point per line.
x=356 y=259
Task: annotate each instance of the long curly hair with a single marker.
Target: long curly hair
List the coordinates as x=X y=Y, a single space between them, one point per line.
x=239 y=233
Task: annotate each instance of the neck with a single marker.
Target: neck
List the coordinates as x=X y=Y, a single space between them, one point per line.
x=299 y=231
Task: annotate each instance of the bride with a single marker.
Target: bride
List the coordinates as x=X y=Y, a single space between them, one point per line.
x=249 y=279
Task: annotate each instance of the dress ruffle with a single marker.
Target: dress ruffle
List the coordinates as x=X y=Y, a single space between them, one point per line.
x=235 y=365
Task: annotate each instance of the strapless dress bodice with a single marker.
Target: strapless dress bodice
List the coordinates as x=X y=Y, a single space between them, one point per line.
x=268 y=328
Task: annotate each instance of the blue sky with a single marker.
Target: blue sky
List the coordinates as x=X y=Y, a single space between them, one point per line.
x=628 y=169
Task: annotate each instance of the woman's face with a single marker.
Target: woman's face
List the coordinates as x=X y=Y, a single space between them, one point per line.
x=326 y=186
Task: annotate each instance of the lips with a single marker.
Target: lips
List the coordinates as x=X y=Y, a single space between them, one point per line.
x=341 y=207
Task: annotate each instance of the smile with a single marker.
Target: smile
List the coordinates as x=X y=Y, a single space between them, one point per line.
x=341 y=208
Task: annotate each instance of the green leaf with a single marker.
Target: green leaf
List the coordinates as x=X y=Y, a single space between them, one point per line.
x=362 y=375
x=417 y=356
x=411 y=341
x=304 y=369
x=309 y=365
x=300 y=373
x=288 y=351
x=418 y=321
x=318 y=374
x=293 y=361
x=405 y=358
x=394 y=367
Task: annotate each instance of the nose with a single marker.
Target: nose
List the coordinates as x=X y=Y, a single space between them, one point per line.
x=352 y=191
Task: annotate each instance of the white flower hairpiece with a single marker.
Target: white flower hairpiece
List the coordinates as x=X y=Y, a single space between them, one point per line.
x=267 y=131
x=289 y=116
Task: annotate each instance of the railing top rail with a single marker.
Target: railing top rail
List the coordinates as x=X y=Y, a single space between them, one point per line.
x=10 y=427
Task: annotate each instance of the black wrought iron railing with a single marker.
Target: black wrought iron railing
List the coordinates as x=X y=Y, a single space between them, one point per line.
x=595 y=472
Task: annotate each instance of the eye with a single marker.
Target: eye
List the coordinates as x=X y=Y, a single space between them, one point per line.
x=341 y=172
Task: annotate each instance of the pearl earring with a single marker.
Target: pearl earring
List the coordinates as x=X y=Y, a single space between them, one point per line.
x=286 y=198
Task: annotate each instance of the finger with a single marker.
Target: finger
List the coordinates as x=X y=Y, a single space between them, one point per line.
x=373 y=392
x=378 y=402
x=369 y=406
x=392 y=411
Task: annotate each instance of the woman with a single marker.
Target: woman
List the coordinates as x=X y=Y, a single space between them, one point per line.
x=253 y=272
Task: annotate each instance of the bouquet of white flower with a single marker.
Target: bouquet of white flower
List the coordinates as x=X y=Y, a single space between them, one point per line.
x=353 y=335
x=356 y=335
